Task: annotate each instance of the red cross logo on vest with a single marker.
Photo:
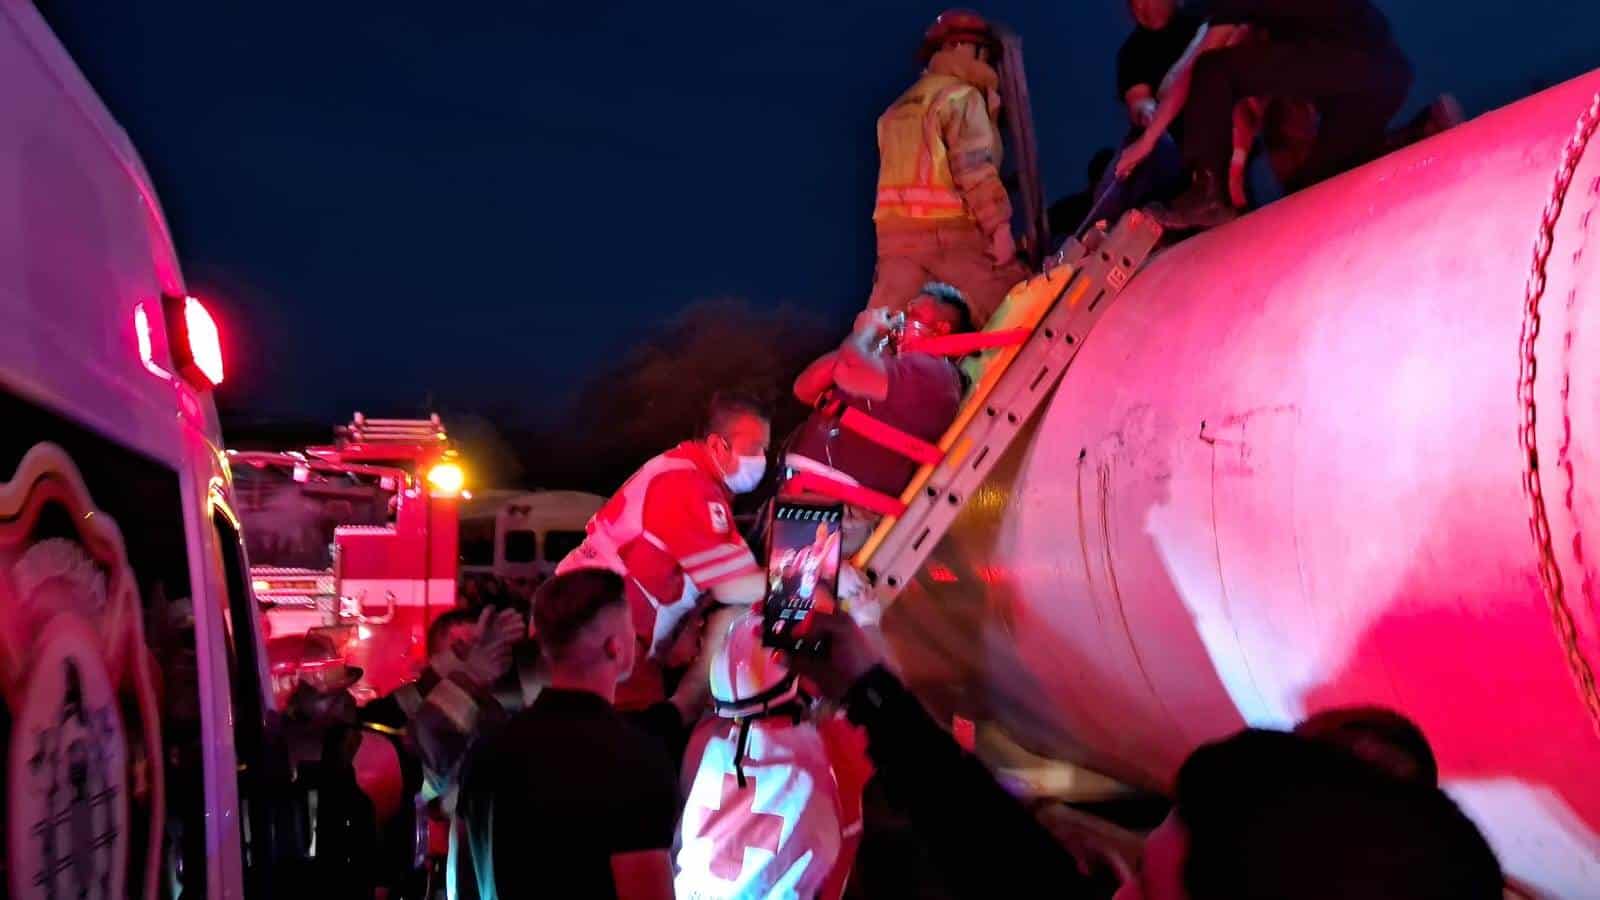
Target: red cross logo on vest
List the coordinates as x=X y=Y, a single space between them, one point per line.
x=735 y=826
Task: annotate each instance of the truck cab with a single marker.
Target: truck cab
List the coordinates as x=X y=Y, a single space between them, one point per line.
x=141 y=760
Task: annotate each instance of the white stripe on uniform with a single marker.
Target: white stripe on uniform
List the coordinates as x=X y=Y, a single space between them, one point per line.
x=709 y=574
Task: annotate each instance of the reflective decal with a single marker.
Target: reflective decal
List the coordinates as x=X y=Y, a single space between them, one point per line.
x=84 y=759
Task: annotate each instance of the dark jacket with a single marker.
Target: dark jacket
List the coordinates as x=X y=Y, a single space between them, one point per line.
x=983 y=840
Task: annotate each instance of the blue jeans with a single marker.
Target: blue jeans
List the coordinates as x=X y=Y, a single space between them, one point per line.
x=1159 y=178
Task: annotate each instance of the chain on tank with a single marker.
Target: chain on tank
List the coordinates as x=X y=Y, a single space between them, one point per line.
x=1532 y=484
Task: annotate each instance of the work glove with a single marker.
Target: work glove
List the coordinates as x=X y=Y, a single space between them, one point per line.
x=490 y=657
x=1002 y=248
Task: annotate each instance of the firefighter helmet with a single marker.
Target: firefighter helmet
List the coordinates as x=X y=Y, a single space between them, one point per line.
x=957 y=26
x=313 y=658
x=748 y=678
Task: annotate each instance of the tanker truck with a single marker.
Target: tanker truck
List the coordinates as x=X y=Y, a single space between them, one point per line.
x=1345 y=450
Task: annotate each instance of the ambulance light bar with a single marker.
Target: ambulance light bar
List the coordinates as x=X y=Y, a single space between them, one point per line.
x=193 y=340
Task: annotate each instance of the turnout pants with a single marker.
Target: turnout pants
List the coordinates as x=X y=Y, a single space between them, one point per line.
x=1356 y=90
x=955 y=254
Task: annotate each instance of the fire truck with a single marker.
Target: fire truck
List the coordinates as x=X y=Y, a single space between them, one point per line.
x=357 y=541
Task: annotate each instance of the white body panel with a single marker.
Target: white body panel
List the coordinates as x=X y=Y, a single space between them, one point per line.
x=82 y=241
x=537 y=512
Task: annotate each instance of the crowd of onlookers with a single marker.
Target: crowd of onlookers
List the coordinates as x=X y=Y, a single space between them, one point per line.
x=544 y=788
x=601 y=742
x=475 y=590
x=571 y=797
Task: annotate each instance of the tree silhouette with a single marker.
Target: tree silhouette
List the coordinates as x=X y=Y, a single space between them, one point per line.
x=655 y=394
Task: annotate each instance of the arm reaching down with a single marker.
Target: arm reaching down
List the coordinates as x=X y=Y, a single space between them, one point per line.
x=641 y=858
x=941 y=788
x=1141 y=103
x=1175 y=93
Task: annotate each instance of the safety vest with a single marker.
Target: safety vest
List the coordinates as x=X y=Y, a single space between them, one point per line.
x=667 y=562
x=914 y=178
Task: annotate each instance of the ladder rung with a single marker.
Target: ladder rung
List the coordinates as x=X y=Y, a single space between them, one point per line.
x=900 y=548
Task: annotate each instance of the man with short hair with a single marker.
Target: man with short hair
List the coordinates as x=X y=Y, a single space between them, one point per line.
x=570 y=799
x=669 y=531
x=887 y=377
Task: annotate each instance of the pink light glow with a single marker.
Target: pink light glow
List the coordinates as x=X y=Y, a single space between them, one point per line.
x=141 y=329
x=205 y=342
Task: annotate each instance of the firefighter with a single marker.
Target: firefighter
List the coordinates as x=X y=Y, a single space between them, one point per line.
x=942 y=213
x=669 y=531
x=356 y=780
x=760 y=774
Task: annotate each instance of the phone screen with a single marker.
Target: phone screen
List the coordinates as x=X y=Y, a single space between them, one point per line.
x=803 y=551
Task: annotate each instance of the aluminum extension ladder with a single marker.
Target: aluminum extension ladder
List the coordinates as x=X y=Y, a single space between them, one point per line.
x=894 y=555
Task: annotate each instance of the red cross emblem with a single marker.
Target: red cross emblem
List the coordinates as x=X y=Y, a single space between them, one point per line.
x=735 y=825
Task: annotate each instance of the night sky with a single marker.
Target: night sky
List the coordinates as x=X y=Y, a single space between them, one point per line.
x=478 y=204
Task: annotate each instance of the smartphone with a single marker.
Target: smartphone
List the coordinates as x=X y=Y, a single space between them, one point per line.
x=803 y=552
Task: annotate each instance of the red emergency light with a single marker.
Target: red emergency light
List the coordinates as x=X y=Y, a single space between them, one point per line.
x=193 y=340
x=147 y=352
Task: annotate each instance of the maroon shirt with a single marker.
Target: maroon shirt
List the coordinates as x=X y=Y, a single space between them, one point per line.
x=925 y=393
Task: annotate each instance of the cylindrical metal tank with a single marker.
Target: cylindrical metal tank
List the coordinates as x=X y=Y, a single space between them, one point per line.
x=1285 y=473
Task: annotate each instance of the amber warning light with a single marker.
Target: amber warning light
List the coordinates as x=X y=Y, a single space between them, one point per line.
x=447 y=479
x=193 y=341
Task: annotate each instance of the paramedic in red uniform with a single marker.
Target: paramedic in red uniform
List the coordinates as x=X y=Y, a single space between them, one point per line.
x=669 y=531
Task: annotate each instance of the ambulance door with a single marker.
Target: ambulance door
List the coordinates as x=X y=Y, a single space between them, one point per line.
x=273 y=818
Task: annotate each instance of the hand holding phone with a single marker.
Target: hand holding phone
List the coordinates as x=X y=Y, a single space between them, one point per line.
x=849 y=655
x=803 y=556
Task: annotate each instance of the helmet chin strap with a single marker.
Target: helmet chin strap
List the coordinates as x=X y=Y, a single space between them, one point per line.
x=744 y=736
x=738 y=751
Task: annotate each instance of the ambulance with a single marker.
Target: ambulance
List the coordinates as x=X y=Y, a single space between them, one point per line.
x=141 y=755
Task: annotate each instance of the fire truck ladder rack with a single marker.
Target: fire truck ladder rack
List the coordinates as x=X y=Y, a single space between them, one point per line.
x=1003 y=401
x=363 y=430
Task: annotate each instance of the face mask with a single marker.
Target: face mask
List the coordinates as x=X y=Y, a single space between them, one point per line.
x=744 y=479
